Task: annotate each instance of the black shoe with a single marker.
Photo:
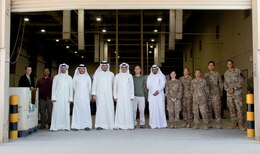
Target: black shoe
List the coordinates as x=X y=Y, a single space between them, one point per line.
x=76 y=129
x=87 y=129
x=99 y=128
x=142 y=126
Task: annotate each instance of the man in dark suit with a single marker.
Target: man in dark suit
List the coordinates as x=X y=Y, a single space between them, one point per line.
x=27 y=80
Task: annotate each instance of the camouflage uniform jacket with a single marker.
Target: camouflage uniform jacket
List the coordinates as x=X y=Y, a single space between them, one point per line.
x=199 y=88
x=186 y=84
x=233 y=80
x=174 y=89
x=214 y=82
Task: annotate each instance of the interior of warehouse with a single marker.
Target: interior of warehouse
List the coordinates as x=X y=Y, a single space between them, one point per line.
x=46 y=39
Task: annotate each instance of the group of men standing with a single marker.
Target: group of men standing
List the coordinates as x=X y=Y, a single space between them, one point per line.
x=191 y=96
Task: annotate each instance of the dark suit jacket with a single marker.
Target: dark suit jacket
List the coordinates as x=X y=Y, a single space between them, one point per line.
x=24 y=82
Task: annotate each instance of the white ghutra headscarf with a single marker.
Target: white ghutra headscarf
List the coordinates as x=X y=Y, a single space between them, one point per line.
x=76 y=74
x=63 y=65
x=124 y=65
x=99 y=69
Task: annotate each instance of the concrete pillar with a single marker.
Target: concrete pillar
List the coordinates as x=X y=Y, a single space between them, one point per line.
x=162 y=48
x=172 y=24
x=5 y=15
x=106 y=51
x=179 y=24
x=66 y=25
x=256 y=62
x=101 y=51
x=96 y=48
x=81 y=32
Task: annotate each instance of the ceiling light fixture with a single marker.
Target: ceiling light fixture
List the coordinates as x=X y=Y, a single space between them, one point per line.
x=150 y=51
x=152 y=40
x=75 y=52
x=43 y=30
x=57 y=40
x=98 y=19
x=67 y=47
x=108 y=40
x=159 y=19
x=82 y=57
x=155 y=30
x=104 y=30
x=151 y=46
x=26 y=19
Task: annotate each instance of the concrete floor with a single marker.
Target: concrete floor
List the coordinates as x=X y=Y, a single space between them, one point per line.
x=144 y=141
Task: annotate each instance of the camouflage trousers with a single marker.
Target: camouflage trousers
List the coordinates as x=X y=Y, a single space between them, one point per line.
x=214 y=106
x=200 y=106
x=235 y=105
x=174 y=109
x=187 y=108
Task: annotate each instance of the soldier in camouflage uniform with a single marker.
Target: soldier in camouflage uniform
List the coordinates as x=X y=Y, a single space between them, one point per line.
x=199 y=92
x=233 y=85
x=186 y=98
x=173 y=93
x=215 y=85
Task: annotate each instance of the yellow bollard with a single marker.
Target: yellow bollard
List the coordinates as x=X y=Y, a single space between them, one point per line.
x=13 y=117
x=250 y=115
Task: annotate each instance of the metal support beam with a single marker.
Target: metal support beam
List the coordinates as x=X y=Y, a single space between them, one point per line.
x=66 y=24
x=5 y=17
x=142 y=41
x=105 y=51
x=156 y=55
x=162 y=46
x=147 y=58
x=116 y=42
x=96 y=48
x=81 y=37
x=101 y=49
x=172 y=29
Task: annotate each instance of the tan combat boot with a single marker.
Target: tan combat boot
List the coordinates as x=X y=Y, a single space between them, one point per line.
x=184 y=124
x=218 y=125
x=233 y=125
x=196 y=126
x=206 y=126
x=171 y=125
x=241 y=127
x=188 y=125
x=176 y=124
x=209 y=125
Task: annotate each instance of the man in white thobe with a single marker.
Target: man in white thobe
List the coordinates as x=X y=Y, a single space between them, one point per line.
x=123 y=95
x=102 y=92
x=62 y=96
x=155 y=84
x=81 y=117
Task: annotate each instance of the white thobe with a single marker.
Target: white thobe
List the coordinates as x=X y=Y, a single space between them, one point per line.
x=62 y=93
x=81 y=117
x=103 y=89
x=156 y=103
x=124 y=93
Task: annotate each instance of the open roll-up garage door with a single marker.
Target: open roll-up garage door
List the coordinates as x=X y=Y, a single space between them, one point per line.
x=51 y=5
